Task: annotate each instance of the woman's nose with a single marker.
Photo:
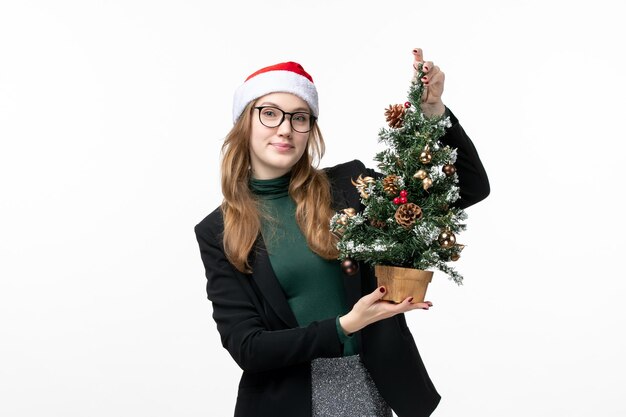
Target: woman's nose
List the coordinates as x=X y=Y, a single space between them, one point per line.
x=285 y=127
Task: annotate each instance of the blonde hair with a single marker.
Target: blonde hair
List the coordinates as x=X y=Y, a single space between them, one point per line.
x=309 y=187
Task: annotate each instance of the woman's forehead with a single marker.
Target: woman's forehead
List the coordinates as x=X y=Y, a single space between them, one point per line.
x=286 y=101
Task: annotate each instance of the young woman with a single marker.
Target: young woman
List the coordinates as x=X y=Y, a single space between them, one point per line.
x=310 y=340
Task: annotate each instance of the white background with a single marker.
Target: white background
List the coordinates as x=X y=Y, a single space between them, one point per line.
x=112 y=114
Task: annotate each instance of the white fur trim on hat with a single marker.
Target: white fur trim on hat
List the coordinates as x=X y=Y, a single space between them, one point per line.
x=277 y=81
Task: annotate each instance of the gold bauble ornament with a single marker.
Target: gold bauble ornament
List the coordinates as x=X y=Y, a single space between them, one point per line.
x=420 y=175
x=425 y=156
x=349 y=266
x=446 y=239
x=457 y=255
x=427 y=183
x=448 y=169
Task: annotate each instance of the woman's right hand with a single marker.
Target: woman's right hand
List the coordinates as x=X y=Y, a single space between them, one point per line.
x=370 y=309
x=433 y=81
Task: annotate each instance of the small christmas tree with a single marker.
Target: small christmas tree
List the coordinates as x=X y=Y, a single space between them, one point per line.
x=409 y=220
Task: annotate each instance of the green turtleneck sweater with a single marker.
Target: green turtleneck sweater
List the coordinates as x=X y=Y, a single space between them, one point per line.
x=312 y=284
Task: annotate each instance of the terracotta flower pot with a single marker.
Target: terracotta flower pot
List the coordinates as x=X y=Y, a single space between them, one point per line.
x=401 y=283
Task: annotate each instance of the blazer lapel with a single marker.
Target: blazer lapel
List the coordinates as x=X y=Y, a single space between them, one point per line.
x=265 y=278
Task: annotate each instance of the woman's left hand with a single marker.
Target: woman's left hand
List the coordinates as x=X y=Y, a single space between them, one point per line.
x=433 y=81
x=371 y=308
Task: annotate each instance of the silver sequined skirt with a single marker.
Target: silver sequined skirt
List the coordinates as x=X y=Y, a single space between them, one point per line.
x=342 y=387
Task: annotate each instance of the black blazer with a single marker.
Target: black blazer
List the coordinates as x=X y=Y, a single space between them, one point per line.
x=260 y=331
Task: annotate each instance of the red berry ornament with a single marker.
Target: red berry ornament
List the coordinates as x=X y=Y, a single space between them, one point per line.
x=403 y=200
x=403 y=193
x=407 y=104
x=396 y=201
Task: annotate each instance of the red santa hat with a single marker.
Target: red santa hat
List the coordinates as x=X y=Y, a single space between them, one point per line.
x=286 y=77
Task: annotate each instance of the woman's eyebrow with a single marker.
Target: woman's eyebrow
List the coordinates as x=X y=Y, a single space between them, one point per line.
x=269 y=103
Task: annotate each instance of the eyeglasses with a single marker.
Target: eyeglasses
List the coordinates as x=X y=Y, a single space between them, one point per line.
x=270 y=116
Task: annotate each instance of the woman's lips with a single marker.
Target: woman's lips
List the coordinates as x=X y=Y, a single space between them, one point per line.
x=282 y=146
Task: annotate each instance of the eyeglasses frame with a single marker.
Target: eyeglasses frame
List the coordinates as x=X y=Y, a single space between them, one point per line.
x=313 y=118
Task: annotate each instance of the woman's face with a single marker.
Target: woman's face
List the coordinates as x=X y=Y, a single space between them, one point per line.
x=275 y=150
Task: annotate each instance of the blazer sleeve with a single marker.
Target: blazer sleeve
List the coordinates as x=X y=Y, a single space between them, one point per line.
x=245 y=330
x=473 y=181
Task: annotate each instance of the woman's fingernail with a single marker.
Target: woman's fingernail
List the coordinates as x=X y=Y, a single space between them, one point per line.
x=424 y=308
x=425 y=68
x=382 y=289
x=425 y=79
x=411 y=300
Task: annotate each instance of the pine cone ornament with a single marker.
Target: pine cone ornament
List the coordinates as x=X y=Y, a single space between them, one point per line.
x=407 y=214
x=377 y=223
x=390 y=184
x=394 y=114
